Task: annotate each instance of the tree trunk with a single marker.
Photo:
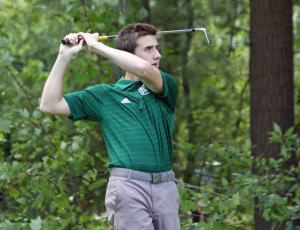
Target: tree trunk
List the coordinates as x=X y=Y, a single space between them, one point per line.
x=146 y=5
x=191 y=157
x=271 y=78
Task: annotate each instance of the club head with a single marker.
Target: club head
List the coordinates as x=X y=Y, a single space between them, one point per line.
x=206 y=34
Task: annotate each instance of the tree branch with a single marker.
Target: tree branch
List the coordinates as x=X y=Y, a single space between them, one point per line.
x=86 y=14
x=39 y=124
x=21 y=87
x=74 y=188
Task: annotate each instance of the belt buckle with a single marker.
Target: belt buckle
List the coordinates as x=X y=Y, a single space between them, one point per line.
x=156 y=178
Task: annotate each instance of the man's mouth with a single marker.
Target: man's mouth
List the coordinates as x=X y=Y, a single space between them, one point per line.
x=155 y=65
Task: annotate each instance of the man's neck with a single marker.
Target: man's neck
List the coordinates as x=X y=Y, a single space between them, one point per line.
x=131 y=77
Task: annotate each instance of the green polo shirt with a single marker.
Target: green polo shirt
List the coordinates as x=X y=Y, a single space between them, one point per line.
x=137 y=124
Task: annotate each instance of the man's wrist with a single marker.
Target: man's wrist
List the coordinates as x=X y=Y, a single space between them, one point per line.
x=64 y=57
x=95 y=47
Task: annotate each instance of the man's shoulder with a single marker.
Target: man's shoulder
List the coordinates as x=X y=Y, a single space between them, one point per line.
x=167 y=76
x=98 y=87
x=164 y=73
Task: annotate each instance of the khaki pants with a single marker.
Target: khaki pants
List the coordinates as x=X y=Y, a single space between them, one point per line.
x=140 y=205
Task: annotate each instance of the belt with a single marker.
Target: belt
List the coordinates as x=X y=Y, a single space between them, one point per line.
x=144 y=176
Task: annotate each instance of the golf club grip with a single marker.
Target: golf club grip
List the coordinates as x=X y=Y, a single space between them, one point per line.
x=66 y=41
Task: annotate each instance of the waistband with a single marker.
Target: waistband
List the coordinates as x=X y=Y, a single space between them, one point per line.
x=144 y=176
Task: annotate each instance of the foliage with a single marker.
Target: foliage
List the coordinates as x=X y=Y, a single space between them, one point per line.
x=227 y=202
x=53 y=173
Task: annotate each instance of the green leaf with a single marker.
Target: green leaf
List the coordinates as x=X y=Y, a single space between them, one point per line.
x=277 y=128
x=294 y=188
x=37 y=131
x=36 y=224
x=289 y=225
x=122 y=20
x=263 y=161
x=62 y=202
x=188 y=205
x=247 y=146
x=236 y=199
x=224 y=182
x=6 y=59
x=14 y=193
x=203 y=226
x=63 y=145
x=266 y=213
x=21 y=200
x=274 y=224
x=272 y=162
x=7 y=225
x=84 y=218
x=223 y=206
x=289 y=132
x=37 y=114
x=77 y=141
x=75 y=145
x=25 y=113
x=142 y=13
x=5 y=125
x=3 y=43
x=113 y=2
x=220 y=226
x=298 y=193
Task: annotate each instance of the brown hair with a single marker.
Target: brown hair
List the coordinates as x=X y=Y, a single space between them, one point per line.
x=127 y=37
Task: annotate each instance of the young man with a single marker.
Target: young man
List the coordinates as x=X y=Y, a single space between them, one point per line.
x=136 y=115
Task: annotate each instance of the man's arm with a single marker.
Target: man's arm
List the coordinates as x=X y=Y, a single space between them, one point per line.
x=52 y=100
x=129 y=62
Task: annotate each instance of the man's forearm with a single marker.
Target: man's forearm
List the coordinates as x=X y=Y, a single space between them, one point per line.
x=127 y=61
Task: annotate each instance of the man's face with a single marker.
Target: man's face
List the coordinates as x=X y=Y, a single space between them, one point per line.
x=147 y=48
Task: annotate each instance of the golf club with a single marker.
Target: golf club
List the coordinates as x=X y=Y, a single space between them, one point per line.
x=65 y=41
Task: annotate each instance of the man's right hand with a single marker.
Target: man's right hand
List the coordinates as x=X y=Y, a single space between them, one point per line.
x=74 y=47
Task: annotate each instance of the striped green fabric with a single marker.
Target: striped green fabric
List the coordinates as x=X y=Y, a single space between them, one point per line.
x=137 y=124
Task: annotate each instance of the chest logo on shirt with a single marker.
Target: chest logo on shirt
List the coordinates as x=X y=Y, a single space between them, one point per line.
x=125 y=101
x=143 y=90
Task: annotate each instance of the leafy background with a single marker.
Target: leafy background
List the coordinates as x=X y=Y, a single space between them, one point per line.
x=53 y=173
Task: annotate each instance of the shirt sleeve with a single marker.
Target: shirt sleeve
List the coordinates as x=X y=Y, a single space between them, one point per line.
x=170 y=91
x=87 y=104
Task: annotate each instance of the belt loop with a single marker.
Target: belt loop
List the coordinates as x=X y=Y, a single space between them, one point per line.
x=129 y=174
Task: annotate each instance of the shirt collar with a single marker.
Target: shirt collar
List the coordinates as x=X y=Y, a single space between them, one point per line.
x=124 y=83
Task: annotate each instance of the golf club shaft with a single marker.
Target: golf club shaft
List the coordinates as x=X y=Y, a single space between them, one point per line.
x=65 y=41
x=188 y=30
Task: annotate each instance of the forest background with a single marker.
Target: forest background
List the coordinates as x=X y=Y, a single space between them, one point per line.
x=53 y=173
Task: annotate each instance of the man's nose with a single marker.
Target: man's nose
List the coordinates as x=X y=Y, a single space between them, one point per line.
x=157 y=54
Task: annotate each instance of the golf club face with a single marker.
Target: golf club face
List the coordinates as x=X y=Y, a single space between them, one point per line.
x=206 y=35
